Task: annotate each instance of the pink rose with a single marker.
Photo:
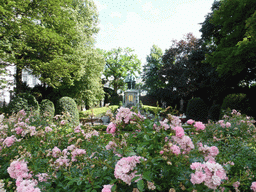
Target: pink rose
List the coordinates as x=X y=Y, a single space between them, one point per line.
x=228 y=124
x=111 y=128
x=106 y=188
x=253 y=186
x=199 y=126
x=214 y=151
x=179 y=131
x=9 y=141
x=198 y=177
x=190 y=121
x=175 y=149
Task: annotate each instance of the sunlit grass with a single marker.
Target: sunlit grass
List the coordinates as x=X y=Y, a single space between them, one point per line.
x=97 y=112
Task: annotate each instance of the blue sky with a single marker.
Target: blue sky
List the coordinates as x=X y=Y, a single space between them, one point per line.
x=139 y=24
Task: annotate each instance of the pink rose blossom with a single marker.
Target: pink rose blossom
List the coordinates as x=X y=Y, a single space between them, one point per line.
x=198 y=177
x=175 y=149
x=63 y=122
x=179 y=131
x=164 y=124
x=18 y=169
x=214 y=151
x=107 y=188
x=199 y=126
x=124 y=114
x=196 y=166
x=253 y=186
x=28 y=186
x=111 y=128
x=56 y=152
x=124 y=168
x=161 y=152
x=18 y=130
x=48 y=129
x=236 y=184
x=228 y=124
x=190 y=121
x=9 y=141
x=111 y=145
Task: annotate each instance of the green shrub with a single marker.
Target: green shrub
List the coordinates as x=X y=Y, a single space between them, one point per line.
x=47 y=108
x=67 y=104
x=214 y=112
x=237 y=101
x=197 y=110
x=115 y=100
x=24 y=101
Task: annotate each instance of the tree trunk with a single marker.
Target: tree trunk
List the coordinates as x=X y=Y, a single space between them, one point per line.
x=115 y=88
x=18 y=80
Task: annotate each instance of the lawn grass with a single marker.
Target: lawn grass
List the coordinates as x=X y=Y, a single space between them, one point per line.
x=97 y=112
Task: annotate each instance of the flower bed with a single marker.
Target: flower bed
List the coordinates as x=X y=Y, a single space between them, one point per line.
x=133 y=154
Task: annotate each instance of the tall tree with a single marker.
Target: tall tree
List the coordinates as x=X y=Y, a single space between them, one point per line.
x=152 y=83
x=120 y=63
x=175 y=59
x=88 y=90
x=235 y=51
x=45 y=37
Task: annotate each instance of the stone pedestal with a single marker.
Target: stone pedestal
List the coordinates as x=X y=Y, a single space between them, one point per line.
x=131 y=98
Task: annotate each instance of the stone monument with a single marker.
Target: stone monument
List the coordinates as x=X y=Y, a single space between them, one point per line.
x=131 y=95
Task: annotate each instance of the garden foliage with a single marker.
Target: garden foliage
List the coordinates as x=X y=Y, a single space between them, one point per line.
x=47 y=108
x=24 y=101
x=133 y=154
x=197 y=110
x=68 y=105
x=237 y=101
x=214 y=112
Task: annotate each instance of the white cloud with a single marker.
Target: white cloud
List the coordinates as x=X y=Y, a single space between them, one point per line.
x=116 y=14
x=100 y=6
x=149 y=8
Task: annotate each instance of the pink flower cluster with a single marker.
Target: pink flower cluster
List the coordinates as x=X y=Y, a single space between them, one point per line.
x=111 y=128
x=184 y=143
x=197 y=124
x=111 y=145
x=86 y=135
x=42 y=177
x=163 y=125
x=223 y=124
x=175 y=121
x=28 y=186
x=210 y=173
x=124 y=168
x=48 y=129
x=253 y=186
x=124 y=114
x=179 y=131
x=106 y=188
x=209 y=152
x=18 y=170
x=175 y=149
x=9 y=141
x=63 y=159
x=77 y=152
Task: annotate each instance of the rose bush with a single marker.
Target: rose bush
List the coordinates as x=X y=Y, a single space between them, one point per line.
x=133 y=154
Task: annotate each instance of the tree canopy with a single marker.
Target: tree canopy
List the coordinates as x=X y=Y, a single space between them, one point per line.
x=52 y=38
x=175 y=60
x=151 y=80
x=236 y=45
x=120 y=62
